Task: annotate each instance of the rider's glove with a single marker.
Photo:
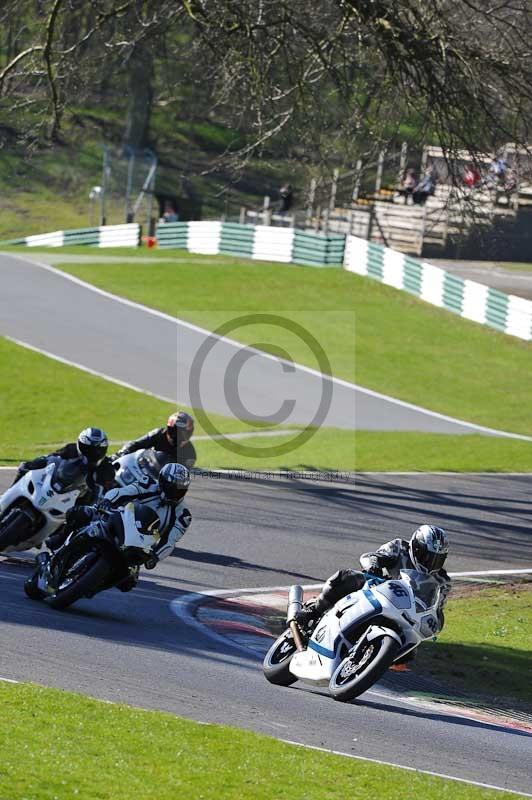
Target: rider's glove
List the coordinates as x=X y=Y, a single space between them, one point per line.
x=104 y=505
x=151 y=562
x=374 y=570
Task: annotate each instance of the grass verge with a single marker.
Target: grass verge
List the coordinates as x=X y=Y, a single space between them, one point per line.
x=372 y=334
x=374 y=451
x=56 y=745
x=486 y=643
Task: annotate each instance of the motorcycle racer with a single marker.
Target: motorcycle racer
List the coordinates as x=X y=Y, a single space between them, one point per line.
x=90 y=452
x=164 y=496
x=425 y=552
x=173 y=439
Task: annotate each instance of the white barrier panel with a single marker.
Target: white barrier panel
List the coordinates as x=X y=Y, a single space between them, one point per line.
x=432 y=279
x=393 y=268
x=54 y=239
x=474 y=303
x=273 y=244
x=356 y=255
x=519 y=317
x=126 y=235
x=204 y=237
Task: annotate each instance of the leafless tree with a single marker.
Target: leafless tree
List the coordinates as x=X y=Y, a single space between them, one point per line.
x=328 y=79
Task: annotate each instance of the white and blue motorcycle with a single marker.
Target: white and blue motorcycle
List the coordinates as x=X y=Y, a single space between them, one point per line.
x=134 y=467
x=362 y=635
x=36 y=505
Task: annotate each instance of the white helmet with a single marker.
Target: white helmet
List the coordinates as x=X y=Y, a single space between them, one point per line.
x=428 y=547
x=92 y=443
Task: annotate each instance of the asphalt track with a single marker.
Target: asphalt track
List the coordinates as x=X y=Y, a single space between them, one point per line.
x=267 y=533
x=156 y=353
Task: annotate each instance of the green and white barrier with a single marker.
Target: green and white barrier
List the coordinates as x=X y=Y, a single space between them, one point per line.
x=469 y=299
x=127 y=235
x=261 y=242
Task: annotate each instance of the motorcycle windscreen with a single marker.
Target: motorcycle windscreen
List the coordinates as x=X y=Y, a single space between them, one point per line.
x=426 y=588
x=152 y=461
x=69 y=475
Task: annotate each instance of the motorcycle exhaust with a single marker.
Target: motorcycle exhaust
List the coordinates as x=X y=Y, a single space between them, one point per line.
x=295 y=604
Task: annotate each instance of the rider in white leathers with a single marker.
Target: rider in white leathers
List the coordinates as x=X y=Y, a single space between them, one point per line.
x=164 y=495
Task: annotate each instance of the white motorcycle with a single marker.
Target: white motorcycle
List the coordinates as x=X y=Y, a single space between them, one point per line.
x=134 y=467
x=356 y=641
x=35 y=507
x=96 y=557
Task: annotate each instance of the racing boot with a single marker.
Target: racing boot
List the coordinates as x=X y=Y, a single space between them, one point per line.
x=130 y=581
x=308 y=617
x=57 y=539
x=402 y=664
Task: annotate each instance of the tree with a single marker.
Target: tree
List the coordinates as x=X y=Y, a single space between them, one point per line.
x=328 y=79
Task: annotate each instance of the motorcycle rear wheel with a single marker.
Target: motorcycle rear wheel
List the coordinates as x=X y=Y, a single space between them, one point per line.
x=87 y=583
x=276 y=664
x=357 y=673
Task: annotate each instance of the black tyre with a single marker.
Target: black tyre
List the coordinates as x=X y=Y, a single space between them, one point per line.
x=358 y=672
x=15 y=530
x=276 y=664
x=82 y=577
x=31 y=588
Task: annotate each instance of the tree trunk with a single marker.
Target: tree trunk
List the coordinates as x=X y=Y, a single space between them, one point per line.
x=140 y=93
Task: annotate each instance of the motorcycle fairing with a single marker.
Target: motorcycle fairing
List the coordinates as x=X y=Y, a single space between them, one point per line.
x=36 y=486
x=322 y=655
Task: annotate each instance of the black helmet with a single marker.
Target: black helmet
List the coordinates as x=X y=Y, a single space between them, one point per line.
x=429 y=546
x=180 y=427
x=93 y=443
x=174 y=480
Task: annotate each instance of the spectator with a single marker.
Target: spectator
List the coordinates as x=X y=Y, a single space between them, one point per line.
x=498 y=169
x=471 y=176
x=286 y=198
x=510 y=181
x=170 y=214
x=408 y=183
x=425 y=187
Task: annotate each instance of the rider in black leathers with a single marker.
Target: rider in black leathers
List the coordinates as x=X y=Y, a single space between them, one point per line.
x=173 y=439
x=90 y=452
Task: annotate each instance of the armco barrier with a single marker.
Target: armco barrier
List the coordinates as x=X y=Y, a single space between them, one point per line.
x=127 y=235
x=469 y=299
x=261 y=242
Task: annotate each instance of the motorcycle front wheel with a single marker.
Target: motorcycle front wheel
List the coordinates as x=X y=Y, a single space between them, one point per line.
x=362 y=668
x=80 y=578
x=276 y=664
x=15 y=530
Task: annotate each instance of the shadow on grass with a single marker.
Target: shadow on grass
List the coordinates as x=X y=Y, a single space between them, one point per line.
x=500 y=673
